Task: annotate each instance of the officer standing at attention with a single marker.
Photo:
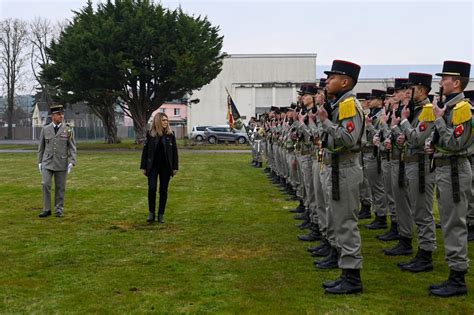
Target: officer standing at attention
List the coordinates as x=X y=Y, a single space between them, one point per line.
x=346 y=133
x=451 y=141
x=56 y=157
x=421 y=181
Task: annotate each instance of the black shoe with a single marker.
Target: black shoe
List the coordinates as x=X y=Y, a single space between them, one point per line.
x=379 y=223
x=423 y=261
x=59 y=214
x=350 y=284
x=161 y=218
x=301 y=216
x=335 y=283
x=322 y=250
x=438 y=225
x=364 y=212
x=305 y=225
x=312 y=236
x=151 y=217
x=456 y=285
x=44 y=214
x=391 y=235
x=299 y=209
x=403 y=248
x=266 y=169
x=330 y=261
x=470 y=233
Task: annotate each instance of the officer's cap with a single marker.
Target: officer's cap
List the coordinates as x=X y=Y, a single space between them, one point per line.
x=469 y=94
x=345 y=68
x=378 y=93
x=400 y=83
x=322 y=83
x=417 y=78
x=390 y=91
x=363 y=96
x=56 y=109
x=455 y=68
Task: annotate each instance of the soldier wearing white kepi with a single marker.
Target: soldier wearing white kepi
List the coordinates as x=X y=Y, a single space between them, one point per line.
x=451 y=141
x=56 y=157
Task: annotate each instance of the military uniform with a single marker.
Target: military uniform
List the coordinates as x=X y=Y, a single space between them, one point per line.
x=452 y=139
x=56 y=156
x=346 y=133
x=373 y=166
x=400 y=187
x=421 y=181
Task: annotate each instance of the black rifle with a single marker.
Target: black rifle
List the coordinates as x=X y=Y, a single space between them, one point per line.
x=436 y=133
x=411 y=105
x=327 y=105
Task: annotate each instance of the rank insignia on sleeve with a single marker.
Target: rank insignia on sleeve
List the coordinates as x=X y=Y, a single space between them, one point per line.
x=458 y=131
x=422 y=126
x=350 y=126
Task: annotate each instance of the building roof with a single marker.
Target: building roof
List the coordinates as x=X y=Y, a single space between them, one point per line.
x=307 y=55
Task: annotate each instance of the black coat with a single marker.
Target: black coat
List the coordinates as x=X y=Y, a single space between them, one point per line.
x=149 y=151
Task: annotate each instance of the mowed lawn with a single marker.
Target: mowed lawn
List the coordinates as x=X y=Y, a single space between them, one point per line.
x=228 y=246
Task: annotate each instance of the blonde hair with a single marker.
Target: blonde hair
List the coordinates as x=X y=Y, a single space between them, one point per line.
x=157 y=128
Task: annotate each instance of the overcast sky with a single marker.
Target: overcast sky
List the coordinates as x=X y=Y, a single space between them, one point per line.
x=366 y=32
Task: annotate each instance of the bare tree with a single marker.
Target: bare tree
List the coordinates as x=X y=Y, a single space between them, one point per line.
x=13 y=41
x=42 y=32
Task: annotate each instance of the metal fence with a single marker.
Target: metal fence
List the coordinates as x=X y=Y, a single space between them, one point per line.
x=83 y=133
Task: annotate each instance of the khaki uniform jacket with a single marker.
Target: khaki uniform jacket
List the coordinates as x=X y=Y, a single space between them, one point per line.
x=56 y=151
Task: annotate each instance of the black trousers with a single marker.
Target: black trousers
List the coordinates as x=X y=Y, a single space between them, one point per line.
x=164 y=175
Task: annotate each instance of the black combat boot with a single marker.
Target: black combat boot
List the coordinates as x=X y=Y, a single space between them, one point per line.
x=456 y=285
x=364 y=212
x=379 y=223
x=259 y=165
x=313 y=235
x=151 y=217
x=44 y=214
x=330 y=261
x=299 y=209
x=335 y=283
x=470 y=233
x=322 y=250
x=304 y=225
x=302 y=216
x=350 y=284
x=391 y=234
x=423 y=261
x=266 y=169
x=403 y=248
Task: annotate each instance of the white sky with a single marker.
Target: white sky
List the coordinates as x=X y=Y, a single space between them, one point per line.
x=365 y=32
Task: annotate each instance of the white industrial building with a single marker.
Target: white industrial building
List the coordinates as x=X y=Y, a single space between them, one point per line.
x=255 y=83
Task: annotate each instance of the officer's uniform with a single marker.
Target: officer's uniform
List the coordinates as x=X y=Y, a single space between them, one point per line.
x=373 y=167
x=452 y=139
x=57 y=149
x=400 y=188
x=470 y=211
x=384 y=155
x=421 y=181
x=345 y=131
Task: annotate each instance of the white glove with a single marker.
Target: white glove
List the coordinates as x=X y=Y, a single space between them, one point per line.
x=69 y=168
x=40 y=168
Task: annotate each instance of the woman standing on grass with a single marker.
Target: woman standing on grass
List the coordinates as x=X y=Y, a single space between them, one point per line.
x=159 y=159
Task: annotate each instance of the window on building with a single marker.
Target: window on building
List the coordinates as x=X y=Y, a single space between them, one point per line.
x=177 y=111
x=161 y=110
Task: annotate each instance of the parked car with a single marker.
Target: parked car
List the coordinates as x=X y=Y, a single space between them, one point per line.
x=220 y=133
x=198 y=133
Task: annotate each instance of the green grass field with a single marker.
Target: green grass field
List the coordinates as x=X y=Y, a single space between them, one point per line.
x=228 y=246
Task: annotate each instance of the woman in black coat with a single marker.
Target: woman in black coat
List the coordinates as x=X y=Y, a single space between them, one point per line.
x=159 y=160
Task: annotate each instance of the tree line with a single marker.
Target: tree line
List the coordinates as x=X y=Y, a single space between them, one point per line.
x=132 y=54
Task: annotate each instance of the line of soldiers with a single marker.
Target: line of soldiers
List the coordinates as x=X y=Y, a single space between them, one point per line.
x=341 y=154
